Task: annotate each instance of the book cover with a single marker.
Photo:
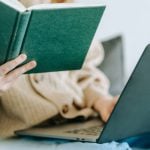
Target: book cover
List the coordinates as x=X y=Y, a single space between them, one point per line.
x=58 y=38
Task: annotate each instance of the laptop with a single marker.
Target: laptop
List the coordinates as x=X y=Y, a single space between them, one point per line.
x=130 y=116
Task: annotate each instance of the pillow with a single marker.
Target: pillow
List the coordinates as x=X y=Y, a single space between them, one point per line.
x=113 y=64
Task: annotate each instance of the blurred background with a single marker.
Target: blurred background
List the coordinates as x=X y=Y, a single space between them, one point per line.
x=131 y=19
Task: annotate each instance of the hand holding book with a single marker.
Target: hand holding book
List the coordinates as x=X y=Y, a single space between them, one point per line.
x=8 y=75
x=57 y=36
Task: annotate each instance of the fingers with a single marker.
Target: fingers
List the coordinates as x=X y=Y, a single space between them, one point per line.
x=105 y=107
x=8 y=73
x=7 y=67
x=19 y=71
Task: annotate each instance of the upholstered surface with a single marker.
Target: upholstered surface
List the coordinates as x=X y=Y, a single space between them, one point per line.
x=113 y=64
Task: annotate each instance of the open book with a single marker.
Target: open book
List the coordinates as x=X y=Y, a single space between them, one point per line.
x=57 y=36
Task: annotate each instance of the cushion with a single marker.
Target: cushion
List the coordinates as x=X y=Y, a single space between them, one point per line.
x=113 y=64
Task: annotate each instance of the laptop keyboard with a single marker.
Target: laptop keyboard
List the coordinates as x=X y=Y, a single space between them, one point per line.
x=92 y=131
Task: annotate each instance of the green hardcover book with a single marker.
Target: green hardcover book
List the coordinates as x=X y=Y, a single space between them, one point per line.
x=57 y=36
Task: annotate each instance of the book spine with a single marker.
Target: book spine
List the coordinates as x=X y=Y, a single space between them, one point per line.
x=19 y=33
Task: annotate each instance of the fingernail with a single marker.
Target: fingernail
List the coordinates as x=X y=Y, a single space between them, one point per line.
x=33 y=63
x=23 y=56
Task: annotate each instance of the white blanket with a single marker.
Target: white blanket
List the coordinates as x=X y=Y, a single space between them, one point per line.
x=42 y=144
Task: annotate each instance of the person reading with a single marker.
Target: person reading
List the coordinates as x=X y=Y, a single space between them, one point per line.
x=29 y=100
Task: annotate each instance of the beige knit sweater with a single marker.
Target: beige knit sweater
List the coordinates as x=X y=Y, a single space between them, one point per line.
x=37 y=98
